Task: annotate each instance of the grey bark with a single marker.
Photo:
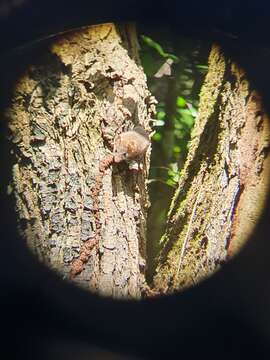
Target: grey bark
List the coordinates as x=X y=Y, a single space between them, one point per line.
x=66 y=110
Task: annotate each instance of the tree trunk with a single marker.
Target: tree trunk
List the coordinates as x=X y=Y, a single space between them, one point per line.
x=224 y=181
x=82 y=217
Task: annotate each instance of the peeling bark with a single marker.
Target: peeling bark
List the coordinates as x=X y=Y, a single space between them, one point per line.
x=222 y=187
x=66 y=110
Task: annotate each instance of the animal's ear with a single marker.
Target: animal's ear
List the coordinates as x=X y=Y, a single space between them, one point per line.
x=140 y=130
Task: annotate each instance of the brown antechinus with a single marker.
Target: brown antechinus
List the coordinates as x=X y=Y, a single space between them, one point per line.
x=131 y=145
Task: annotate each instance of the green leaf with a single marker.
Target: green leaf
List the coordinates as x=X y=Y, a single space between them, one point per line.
x=156 y=46
x=176 y=149
x=161 y=115
x=170 y=182
x=171 y=56
x=156 y=137
x=150 y=65
x=185 y=118
x=180 y=101
x=151 y=43
x=171 y=173
x=184 y=112
x=202 y=67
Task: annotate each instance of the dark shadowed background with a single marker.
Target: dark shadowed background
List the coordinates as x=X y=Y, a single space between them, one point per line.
x=226 y=316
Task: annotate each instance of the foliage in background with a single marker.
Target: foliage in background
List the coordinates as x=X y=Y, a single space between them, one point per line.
x=175 y=69
x=175 y=117
x=181 y=124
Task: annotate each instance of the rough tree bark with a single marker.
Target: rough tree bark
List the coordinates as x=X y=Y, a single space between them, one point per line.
x=80 y=216
x=224 y=181
x=86 y=217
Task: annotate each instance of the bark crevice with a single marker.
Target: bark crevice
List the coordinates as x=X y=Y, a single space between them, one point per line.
x=80 y=214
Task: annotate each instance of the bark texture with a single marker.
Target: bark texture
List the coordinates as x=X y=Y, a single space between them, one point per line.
x=72 y=204
x=224 y=181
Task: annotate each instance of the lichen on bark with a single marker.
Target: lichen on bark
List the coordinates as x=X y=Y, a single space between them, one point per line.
x=66 y=109
x=222 y=187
